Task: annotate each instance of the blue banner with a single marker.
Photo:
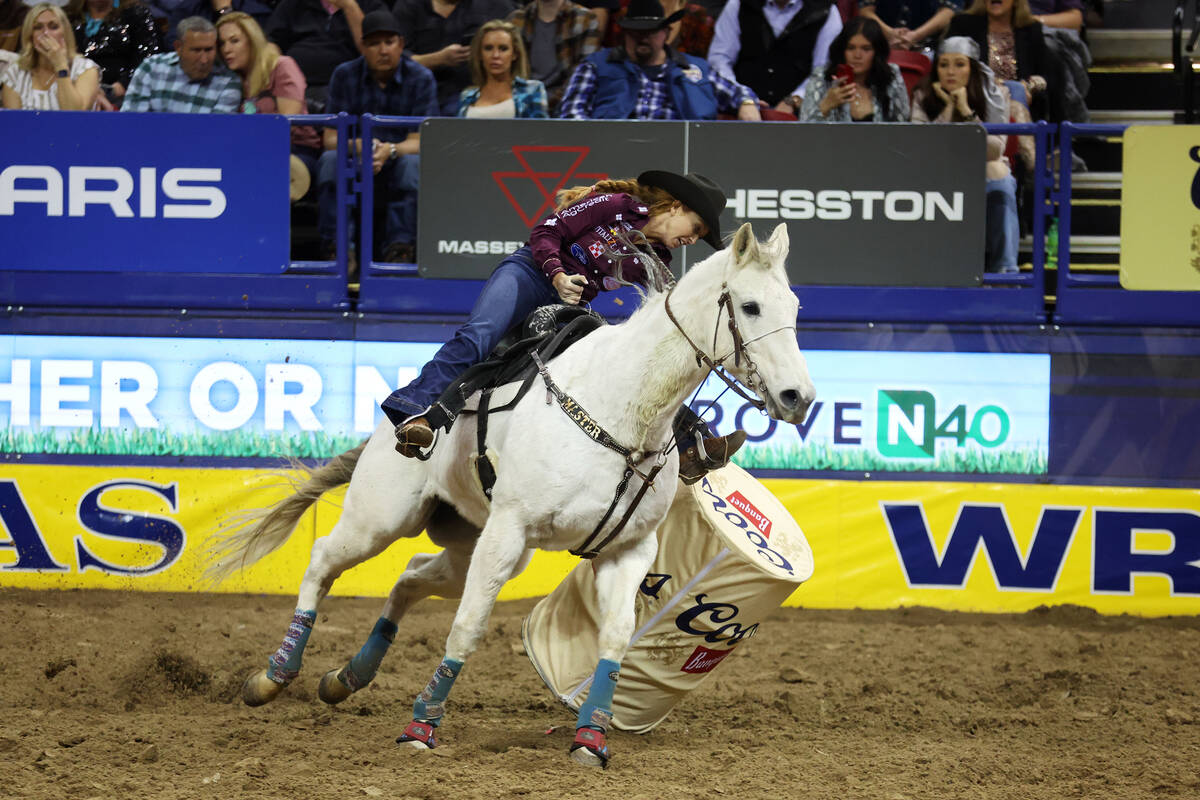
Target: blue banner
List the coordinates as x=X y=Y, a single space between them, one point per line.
x=982 y=413
x=985 y=413
x=144 y=192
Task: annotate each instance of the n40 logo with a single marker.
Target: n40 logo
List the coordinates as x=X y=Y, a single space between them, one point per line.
x=908 y=427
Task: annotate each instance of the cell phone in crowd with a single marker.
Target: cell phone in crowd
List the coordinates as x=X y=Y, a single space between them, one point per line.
x=845 y=72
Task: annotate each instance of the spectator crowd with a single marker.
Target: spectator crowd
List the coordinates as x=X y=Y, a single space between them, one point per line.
x=930 y=61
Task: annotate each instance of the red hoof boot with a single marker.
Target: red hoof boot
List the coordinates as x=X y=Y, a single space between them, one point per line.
x=418 y=734
x=590 y=748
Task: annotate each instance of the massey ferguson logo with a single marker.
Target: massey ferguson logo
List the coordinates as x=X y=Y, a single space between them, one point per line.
x=703 y=659
x=756 y=517
x=557 y=168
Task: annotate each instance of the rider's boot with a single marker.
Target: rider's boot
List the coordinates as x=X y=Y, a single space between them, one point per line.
x=412 y=436
x=708 y=453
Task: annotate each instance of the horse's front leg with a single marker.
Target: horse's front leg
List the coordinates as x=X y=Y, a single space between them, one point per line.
x=617 y=579
x=498 y=554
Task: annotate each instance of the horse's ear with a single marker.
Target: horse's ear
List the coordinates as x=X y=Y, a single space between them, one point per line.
x=779 y=241
x=744 y=245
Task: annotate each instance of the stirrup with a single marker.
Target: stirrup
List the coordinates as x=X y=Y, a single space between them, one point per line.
x=413 y=436
x=420 y=734
x=594 y=747
x=698 y=460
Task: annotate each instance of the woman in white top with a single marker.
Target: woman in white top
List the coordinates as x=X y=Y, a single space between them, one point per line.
x=500 y=69
x=49 y=75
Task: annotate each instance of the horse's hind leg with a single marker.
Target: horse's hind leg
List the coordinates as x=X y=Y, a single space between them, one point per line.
x=617 y=579
x=499 y=553
x=368 y=524
x=427 y=574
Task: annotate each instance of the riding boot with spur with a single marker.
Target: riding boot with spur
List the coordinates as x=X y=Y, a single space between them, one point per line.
x=413 y=436
x=708 y=453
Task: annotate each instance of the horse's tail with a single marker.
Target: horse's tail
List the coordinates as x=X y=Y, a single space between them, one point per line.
x=250 y=535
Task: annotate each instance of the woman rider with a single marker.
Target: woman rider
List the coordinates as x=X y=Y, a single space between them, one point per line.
x=568 y=260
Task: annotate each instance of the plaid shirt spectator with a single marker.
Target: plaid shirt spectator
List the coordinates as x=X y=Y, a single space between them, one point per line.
x=411 y=92
x=529 y=99
x=654 y=97
x=160 y=84
x=578 y=35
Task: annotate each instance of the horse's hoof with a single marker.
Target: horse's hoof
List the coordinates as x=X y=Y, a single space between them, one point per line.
x=587 y=758
x=332 y=690
x=259 y=689
x=590 y=748
x=415 y=745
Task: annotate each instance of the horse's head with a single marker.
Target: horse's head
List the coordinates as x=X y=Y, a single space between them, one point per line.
x=764 y=311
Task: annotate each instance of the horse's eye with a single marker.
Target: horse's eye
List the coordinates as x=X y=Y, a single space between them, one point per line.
x=750 y=309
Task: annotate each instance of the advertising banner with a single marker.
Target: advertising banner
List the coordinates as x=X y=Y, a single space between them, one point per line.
x=1160 y=208
x=195 y=195
x=934 y=412
x=997 y=547
x=959 y=546
x=484 y=186
x=888 y=221
x=862 y=205
x=147 y=528
x=196 y=397
x=911 y=412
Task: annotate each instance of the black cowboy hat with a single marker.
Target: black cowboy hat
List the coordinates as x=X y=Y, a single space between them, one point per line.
x=697 y=192
x=380 y=21
x=647 y=15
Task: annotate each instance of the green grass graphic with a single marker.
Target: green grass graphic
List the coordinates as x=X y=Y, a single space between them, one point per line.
x=160 y=442
x=1024 y=461
x=248 y=444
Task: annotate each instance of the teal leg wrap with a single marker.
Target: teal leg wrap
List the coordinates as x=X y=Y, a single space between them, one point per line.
x=285 y=664
x=430 y=704
x=596 y=713
x=362 y=667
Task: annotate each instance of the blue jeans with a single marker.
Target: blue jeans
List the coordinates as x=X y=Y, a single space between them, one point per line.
x=513 y=291
x=1003 y=230
x=396 y=184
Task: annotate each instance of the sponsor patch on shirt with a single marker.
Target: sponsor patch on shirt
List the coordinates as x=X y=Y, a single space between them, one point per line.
x=596 y=249
x=580 y=256
x=693 y=73
x=610 y=283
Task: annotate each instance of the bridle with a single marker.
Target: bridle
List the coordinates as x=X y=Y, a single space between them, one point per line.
x=740 y=350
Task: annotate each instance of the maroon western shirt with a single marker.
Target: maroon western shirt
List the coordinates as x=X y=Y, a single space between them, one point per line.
x=577 y=240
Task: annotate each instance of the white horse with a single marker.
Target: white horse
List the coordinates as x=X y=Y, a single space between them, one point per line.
x=554 y=482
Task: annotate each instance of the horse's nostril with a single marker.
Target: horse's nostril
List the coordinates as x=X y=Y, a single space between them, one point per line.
x=789 y=397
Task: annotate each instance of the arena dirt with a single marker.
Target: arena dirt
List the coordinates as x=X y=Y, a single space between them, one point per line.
x=131 y=696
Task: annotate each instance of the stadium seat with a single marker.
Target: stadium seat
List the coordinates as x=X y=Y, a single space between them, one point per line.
x=913 y=67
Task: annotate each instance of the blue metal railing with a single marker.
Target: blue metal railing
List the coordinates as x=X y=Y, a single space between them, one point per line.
x=1098 y=298
x=366 y=187
x=344 y=126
